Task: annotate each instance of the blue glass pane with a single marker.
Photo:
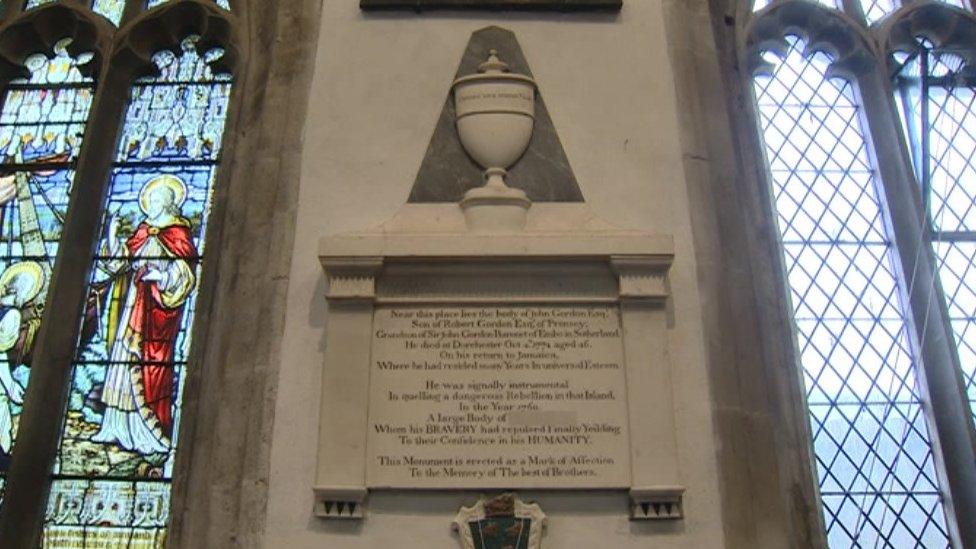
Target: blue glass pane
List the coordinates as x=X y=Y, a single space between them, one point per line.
x=124 y=410
x=43 y=116
x=182 y=121
x=110 y=9
x=42 y=123
x=874 y=458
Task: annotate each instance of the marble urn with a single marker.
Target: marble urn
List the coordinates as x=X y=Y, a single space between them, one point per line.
x=495 y=118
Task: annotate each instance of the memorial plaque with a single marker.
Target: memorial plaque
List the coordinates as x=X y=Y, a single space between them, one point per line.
x=514 y=396
x=496 y=337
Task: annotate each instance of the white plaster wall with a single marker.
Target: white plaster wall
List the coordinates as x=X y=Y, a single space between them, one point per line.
x=380 y=82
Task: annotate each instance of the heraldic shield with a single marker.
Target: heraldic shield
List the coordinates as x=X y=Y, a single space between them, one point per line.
x=503 y=522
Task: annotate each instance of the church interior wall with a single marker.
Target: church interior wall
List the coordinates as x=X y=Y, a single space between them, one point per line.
x=379 y=82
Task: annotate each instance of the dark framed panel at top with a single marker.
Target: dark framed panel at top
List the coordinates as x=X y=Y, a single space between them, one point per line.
x=524 y=5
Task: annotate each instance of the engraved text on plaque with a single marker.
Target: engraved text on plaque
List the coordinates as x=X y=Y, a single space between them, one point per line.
x=498 y=396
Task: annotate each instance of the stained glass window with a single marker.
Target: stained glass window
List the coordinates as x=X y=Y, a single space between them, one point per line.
x=35 y=3
x=114 y=467
x=41 y=127
x=874 y=459
x=110 y=9
x=940 y=119
x=222 y=3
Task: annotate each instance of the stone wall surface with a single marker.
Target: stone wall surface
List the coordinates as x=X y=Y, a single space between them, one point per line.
x=336 y=112
x=378 y=88
x=221 y=481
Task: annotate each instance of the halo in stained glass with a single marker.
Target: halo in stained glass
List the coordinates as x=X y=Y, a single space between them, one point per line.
x=42 y=123
x=120 y=432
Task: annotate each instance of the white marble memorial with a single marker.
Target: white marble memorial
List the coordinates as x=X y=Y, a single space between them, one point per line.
x=497 y=343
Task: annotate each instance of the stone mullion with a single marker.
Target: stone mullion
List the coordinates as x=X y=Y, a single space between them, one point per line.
x=942 y=385
x=855 y=10
x=764 y=399
x=22 y=517
x=132 y=10
x=11 y=9
x=776 y=324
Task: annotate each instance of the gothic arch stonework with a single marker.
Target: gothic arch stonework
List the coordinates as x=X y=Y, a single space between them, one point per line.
x=822 y=28
x=945 y=26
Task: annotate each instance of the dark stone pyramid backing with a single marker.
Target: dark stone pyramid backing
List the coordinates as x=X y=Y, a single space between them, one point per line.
x=448 y=172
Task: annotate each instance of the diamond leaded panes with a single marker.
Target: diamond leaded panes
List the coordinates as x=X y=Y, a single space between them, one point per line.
x=872 y=448
x=940 y=119
x=876 y=9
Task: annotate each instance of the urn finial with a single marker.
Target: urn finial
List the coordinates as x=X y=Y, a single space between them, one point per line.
x=494 y=64
x=495 y=118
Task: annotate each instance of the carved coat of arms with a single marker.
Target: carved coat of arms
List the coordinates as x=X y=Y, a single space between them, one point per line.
x=503 y=522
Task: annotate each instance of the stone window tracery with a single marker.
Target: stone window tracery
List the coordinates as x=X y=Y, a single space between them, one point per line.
x=158 y=109
x=882 y=282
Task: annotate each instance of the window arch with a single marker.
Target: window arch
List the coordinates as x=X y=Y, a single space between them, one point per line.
x=126 y=286
x=885 y=381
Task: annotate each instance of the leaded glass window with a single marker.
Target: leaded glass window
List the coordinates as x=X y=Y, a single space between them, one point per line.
x=110 y=9
x=938 y=99
x=35 y=3
x=875 y=463
x=873 y=9
x=42 y=123
x=876 y=9
x=113 y=471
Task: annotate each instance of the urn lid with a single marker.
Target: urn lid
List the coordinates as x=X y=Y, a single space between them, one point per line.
x=494 y=70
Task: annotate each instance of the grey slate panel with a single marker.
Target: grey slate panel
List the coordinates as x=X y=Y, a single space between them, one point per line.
x=447 y=172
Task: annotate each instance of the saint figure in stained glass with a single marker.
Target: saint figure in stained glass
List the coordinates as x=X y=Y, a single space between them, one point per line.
x=151 y=279
x=21 y=286
x=113 y=472
x=41 y=125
